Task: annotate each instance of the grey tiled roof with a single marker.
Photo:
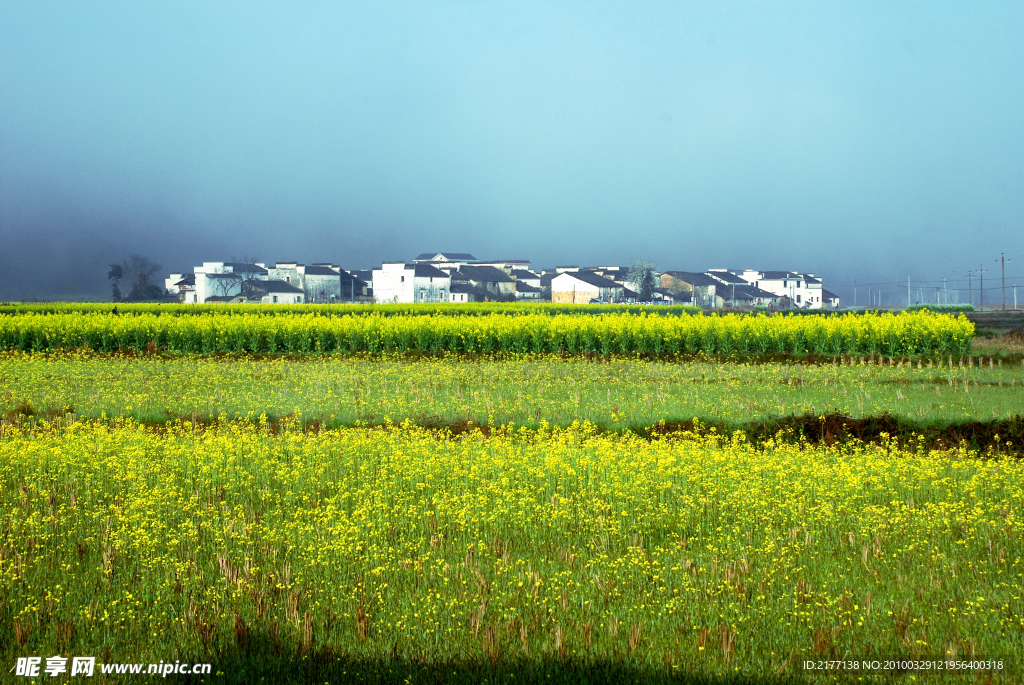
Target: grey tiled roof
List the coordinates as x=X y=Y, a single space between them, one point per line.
x=726 y=277
x=481 y=274
x=320 y=271
x=692 y=278
x=427 y=271
x=592 y=279
x=273 y=286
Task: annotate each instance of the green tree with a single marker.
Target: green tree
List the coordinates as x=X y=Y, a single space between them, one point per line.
x=115 y=274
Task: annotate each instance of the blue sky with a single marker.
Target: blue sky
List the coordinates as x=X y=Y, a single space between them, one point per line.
x=861 y=141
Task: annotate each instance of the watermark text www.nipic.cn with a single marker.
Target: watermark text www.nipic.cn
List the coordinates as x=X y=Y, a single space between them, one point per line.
x=54 y=666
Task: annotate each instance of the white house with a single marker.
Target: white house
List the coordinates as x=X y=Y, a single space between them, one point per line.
x=803 y=290
x=320 y=282
x=581 y=287
x=284 y=271
x=272 y=292
x=705 y=291
x=182 y=285
x=525 y=291
x=485 y=278
x=464 y=292
x=401 y=282
x=224 y=279
x=526 y=276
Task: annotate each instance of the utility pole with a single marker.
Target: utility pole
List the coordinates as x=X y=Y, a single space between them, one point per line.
x=1002 y=258
x=945 y=295
x=908 y=292
x=970 y=288
x=981 y=287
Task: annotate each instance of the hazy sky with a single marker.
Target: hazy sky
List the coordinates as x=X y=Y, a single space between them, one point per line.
x=859 y=141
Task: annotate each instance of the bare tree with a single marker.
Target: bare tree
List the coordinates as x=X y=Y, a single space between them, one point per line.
x=246 y=275
x=224 y=284
x=139 y=274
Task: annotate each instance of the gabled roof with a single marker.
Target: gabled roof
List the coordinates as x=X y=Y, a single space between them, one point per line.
x=427 y=271
x=525 y=288
x=726 y=277
x=524 y=273
x=272 y=287
x=591 y=279
x=829 y=295
x=811 y=279
x=777 y=275
x=747 y=292
x=758 y=292
x=320 y=271
x=229 y=277
x=481 y=274
x=188 y=280
x=450 y=256
x=693 y=279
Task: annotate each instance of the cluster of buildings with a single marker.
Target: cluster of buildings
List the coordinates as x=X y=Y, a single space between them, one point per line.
x=460 y=277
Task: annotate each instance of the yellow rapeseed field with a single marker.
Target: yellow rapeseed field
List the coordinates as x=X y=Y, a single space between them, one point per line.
x=904 y=334
x=552 y=546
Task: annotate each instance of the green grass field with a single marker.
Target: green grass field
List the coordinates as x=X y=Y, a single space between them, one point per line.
x=618 y=393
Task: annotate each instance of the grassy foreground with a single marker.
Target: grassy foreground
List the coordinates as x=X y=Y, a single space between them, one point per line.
x=612 y=394
x=367 y=554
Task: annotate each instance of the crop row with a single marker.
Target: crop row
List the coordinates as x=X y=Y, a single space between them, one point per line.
x=913 y=334
x=342 y=309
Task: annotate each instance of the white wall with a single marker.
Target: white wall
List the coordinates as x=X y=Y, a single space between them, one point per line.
x=803 y=295
x=566 y=288
x=393 y=282
x=321 y=287
x=431 y=289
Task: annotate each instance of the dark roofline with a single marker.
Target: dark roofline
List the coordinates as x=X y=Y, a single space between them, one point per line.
x=591 y=278
x=428 y=271
x=273 y=287
x=320 y=271
x=693 y=278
